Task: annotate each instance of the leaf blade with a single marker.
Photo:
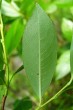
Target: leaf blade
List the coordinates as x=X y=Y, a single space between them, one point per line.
x=63 y=66
x=10 y=9
x=14 y=35
x=22 y=104
x=36 y=44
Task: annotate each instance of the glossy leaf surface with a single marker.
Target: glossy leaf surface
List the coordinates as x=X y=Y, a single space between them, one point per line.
x=39 y=50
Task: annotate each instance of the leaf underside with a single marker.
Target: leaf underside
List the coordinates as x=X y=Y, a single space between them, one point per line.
x=39 y=49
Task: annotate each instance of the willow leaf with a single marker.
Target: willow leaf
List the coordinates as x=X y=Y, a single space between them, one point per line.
x=39 y=49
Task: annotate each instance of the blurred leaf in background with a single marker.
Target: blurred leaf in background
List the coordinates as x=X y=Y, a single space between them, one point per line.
x=64 y=3
x=14 y=35
x=63 y=65
x=27 y=7
x=23 y=104
x=10 y=9
x=8 y=0
x=67 y=26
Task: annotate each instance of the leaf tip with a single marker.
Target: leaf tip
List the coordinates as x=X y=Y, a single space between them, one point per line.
x=37 y=5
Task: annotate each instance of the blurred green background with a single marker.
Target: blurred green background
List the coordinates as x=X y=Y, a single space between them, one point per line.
x=16 y=14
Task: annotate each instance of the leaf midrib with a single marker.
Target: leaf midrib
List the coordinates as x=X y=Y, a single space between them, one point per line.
x=39 y=58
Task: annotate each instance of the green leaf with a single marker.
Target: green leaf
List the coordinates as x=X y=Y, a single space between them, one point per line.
x=27 y=7
x=71 y=57
x=63 y=66
x=10 y=9
x=39 y=50
x=23 y=104
x=51 y=8
x=1 y=57
x=14 y=35
x=18 y=70
x=67 y=29
x=64 y=3
x=2 y=77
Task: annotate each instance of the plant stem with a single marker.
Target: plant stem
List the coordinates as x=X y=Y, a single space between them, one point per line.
x=38 y=108
x=56 y=95
x=4 y=100
x=5 y=60
x=4 y=49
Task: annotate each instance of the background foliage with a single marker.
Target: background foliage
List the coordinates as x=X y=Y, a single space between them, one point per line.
x=15 y=16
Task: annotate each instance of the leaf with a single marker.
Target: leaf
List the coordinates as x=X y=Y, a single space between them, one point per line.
x=18 y=70
x=67 y=29
x=39 y=49
x=2 y=77
x=64 y=3
x=63 y=66
x=22 y=104
x=71 y=57
x=1 y=57
x=51 y=8
x=10 y=9
x=27 y=7
x=14 y=35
